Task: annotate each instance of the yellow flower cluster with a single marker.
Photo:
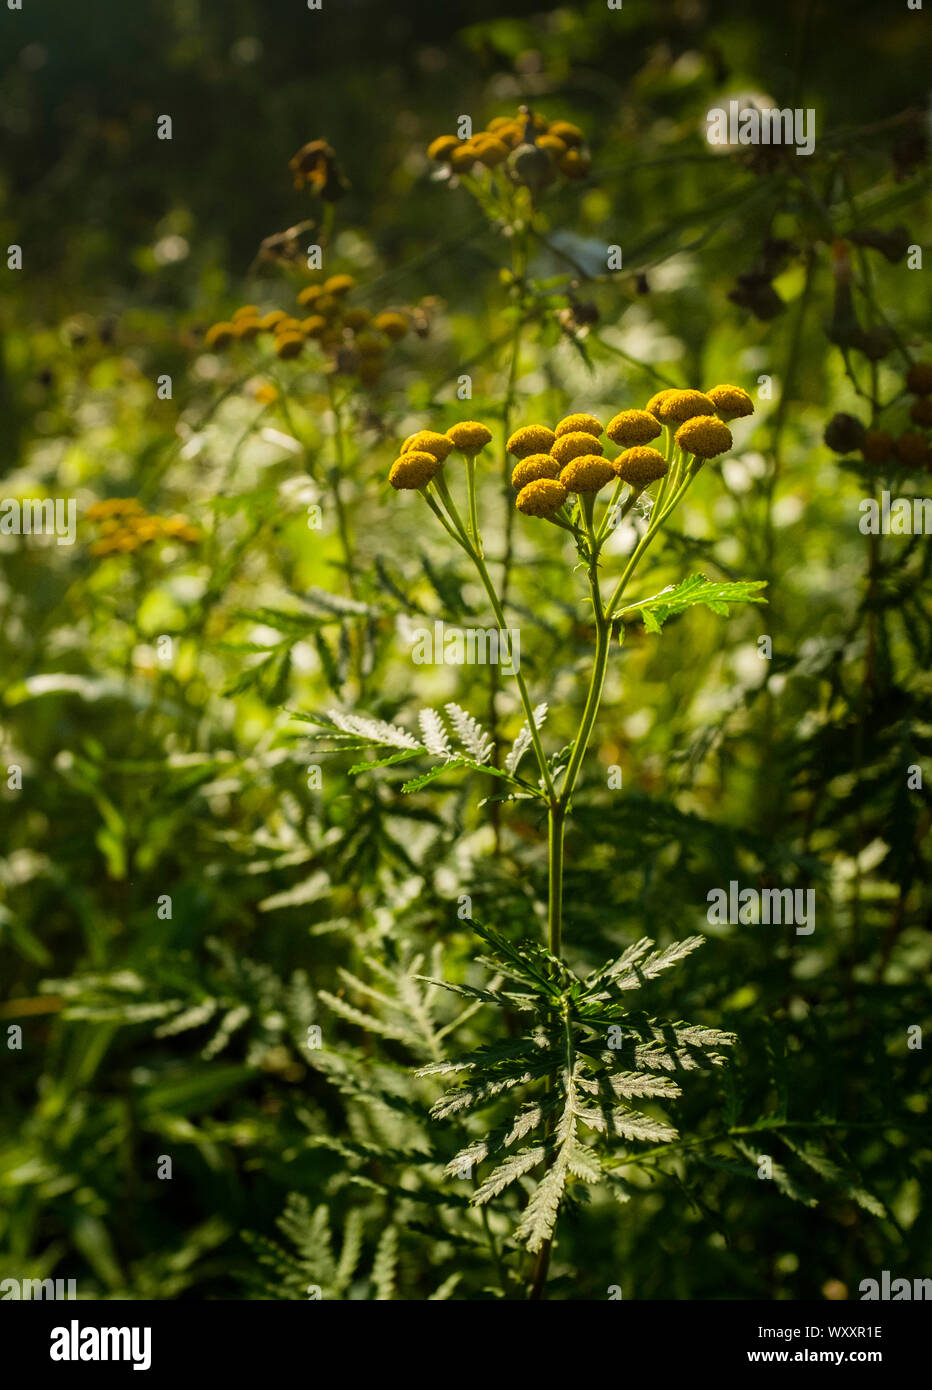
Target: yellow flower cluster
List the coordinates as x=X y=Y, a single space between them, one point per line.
x=423 y=454
x=552 y=463
x=355 y=340
x=532 y=150
x=124 y=525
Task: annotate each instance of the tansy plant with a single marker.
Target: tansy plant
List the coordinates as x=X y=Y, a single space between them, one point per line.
x=585 y=1054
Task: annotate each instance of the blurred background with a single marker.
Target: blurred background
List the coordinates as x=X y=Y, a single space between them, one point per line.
x=148 y=771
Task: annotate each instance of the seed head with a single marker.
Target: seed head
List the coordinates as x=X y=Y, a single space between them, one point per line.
x=705 y=436
x=573 y=446
x=530 y=439
x=731 y=401
x=413 y=470
x=912 y=449
x=313 y=326
x=920 y=412
x=844 y=432
x=632 y=427
x=356 y=318
x=919 y=378
x=683 y=405
x=370 y=345
x=579 y=424
x=586 y=473
x=469 y=436
x=428 y=442
x=640 y=466
x=527 y=470
x=877 y=445
x=542 y=497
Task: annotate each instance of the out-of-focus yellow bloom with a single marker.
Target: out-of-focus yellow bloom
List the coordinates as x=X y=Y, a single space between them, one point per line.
x=554 y=146
x=534 y=466
x=413 y=470
x=219 y=335
x=246 y=329
x=531 y=439
x=705 y=436
x=271 y=319
x=542 y=497
x=731 y=401
x=464 y=157
x=392 y=324
x=266 y=393
x=877 y=445
x=441 y=148
x=586 y=473
x=288 y=345
x=313 y=326
x=469 y=436
x=640 y=466
x=248 y=311
x=339 y=284
x=632 y=427
x=567 y=132
x=490 y=151
x=114 y=506
x=574 y=445
x=309 y=295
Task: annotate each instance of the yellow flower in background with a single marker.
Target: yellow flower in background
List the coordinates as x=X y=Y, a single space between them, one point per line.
x=705 y=436
x=392 y=324
x=219 y=335
x=288 y=345
x=442 y=148
x=339 y=284
x=543 y=497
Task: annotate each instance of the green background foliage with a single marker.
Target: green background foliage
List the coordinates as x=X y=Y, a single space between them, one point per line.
x=295 y=906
